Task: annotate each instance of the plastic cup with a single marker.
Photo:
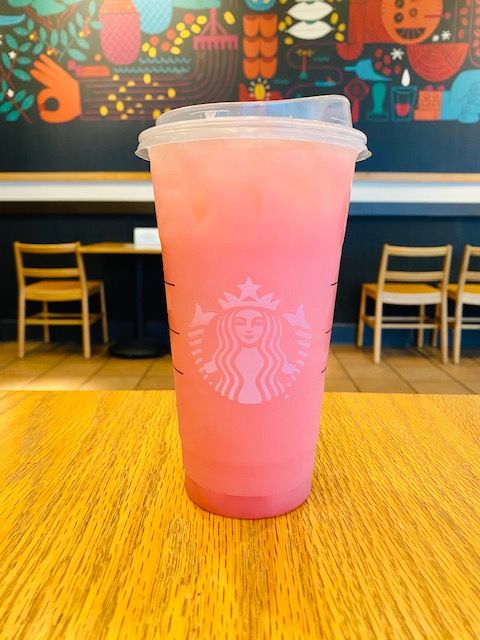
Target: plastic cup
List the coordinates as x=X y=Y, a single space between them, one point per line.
x=252 y=202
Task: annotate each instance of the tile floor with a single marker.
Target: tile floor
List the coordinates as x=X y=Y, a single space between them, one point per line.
x=62 y=366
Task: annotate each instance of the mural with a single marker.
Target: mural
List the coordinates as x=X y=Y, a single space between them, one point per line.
x=397 y=61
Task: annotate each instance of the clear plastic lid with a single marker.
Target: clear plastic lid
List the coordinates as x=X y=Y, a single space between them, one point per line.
x=319 y=118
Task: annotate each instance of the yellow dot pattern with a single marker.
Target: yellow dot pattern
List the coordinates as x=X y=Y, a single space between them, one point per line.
x=103 y=111
x=171 y=93
x=229 y=17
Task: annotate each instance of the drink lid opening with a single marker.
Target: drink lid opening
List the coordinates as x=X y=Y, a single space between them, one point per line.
x=319 y=118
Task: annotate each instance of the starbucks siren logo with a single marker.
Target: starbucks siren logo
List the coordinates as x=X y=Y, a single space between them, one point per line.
x=240 y=349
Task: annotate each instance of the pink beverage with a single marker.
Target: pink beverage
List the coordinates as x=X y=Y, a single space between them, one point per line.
x=252 y=224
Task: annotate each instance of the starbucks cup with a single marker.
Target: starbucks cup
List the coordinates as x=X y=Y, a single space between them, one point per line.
x=251 y=202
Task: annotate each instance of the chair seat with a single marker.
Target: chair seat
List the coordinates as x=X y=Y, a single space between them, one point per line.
x=471 y=293
x=59 y=290
x=405 y=292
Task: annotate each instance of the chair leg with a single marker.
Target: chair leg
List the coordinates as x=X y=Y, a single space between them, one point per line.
x=361 y=321
x=21 y=326
x=46 y=328
x=435 y=329
x=420 y=331
x=377 y=332
x=87 y=350
x=457 y=333
x=103 y=309
x=444 y=329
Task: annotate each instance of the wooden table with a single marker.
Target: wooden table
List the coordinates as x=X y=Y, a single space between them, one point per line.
x=139 y=347
x=98 y=539
x=120 y=248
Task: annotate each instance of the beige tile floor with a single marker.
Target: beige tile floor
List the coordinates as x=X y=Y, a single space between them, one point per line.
x=60 y=366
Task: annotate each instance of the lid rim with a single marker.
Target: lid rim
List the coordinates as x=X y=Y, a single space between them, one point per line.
x=319 y=118
x=249 y=121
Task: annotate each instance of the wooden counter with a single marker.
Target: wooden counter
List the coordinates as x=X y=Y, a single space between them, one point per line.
x=98 y=539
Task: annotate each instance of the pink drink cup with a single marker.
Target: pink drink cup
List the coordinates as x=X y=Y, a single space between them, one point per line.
x=251 y=231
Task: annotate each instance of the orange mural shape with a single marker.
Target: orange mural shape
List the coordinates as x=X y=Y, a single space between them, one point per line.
x=251 y=68
x=437 y=62
x=389 y=21
x=268 y=67
x=260 y=46
x=268 y=25
x=269 y=47
x=251 y=25
x=251 y=47
x=411 y=21
x=429 y=105
x=60 y=87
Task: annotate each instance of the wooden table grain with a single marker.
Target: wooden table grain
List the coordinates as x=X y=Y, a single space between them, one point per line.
x=120 y=248
x=98 y=539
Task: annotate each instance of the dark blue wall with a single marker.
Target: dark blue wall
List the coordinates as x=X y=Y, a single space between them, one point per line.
x=368 y=228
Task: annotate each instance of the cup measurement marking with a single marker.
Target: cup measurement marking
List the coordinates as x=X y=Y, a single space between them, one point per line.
x=177 y=333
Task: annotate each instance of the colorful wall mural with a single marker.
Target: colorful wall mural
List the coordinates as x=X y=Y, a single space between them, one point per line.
x=118 y=61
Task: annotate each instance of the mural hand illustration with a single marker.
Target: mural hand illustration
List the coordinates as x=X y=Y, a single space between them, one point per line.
x=462 y=101
x=61 y=87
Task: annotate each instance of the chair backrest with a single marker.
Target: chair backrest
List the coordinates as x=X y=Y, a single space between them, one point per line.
x=439 y=276
x=42 y=273
x=467 y=274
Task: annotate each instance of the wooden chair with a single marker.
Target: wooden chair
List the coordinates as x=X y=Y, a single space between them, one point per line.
x=57 y=285
x=464 y=293
x=407 y=288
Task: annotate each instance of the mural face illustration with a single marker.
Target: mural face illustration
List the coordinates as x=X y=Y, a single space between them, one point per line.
x=411 y=21
x=249 y=325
